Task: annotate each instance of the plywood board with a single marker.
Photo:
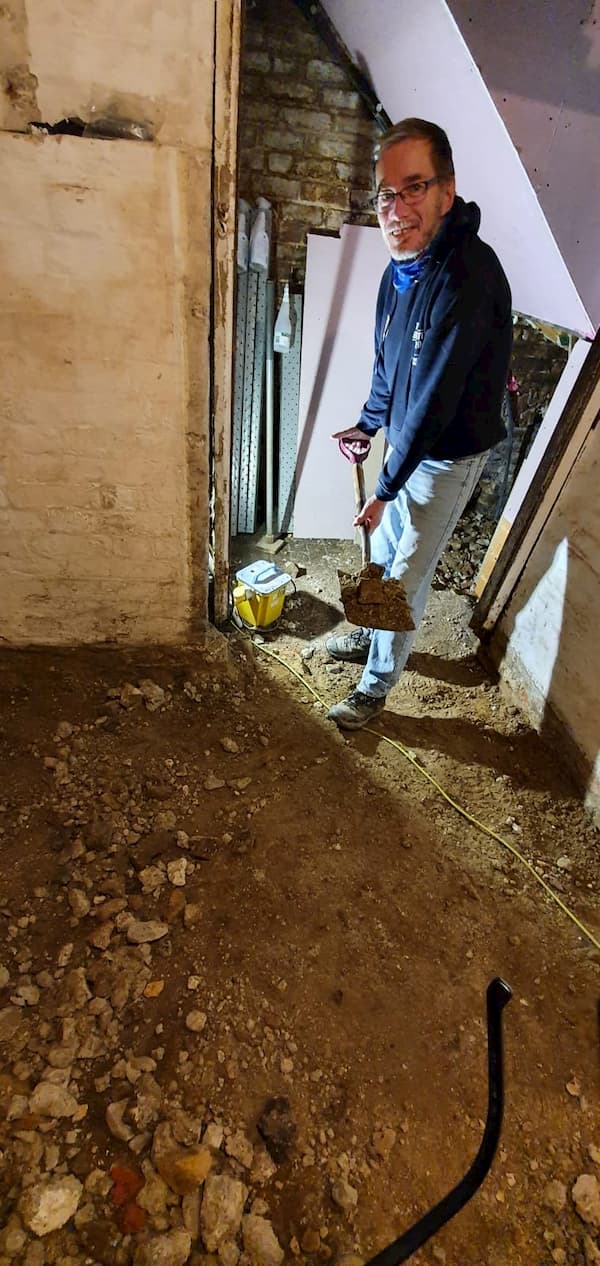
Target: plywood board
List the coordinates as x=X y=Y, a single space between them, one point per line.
x=342 y=280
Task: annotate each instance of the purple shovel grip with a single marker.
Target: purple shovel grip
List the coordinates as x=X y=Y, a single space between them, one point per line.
x=355 y=455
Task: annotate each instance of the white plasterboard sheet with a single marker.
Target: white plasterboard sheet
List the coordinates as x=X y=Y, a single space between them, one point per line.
x=342 y=280
x=418 y=61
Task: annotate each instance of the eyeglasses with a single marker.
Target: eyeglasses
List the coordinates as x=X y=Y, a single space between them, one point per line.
x=384 y=199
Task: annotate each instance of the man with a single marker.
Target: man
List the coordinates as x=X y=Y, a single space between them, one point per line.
x=443 y=333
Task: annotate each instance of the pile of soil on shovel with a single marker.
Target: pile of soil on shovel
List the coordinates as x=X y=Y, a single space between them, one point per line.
x=244 y=962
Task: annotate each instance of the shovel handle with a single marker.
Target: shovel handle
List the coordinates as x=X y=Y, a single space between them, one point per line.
x=358 y=478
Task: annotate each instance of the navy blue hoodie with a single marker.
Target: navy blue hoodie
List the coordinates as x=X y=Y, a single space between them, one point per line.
x=442 y=352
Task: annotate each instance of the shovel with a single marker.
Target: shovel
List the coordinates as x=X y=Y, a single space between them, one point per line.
x=368 y=600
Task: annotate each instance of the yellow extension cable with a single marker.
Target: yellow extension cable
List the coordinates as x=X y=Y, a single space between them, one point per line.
x=487 y=830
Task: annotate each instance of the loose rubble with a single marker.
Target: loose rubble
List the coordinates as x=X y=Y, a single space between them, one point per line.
x=131 y=1031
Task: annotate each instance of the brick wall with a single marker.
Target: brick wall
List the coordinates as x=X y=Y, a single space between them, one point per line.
x=305 y=138
x=537 y=366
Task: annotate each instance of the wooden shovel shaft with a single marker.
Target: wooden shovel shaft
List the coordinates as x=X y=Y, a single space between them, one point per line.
x=358 y=476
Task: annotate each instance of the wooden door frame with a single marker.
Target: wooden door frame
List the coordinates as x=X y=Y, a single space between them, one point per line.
x=579 y=416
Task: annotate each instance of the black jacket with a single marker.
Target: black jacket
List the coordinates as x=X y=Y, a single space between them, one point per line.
x=442 y=352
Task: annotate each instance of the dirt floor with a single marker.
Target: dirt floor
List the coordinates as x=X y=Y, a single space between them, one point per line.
x=212 y=899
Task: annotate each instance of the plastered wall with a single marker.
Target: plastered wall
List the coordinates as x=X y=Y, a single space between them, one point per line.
x=549 y=631
x=105 y=267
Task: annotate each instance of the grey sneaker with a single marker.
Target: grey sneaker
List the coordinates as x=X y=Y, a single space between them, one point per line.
x=355 y=711
x=353 y=646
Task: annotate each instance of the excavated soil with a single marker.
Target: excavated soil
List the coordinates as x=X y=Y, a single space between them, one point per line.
x=326 y=928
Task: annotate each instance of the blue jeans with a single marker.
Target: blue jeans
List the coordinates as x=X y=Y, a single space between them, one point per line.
x=413 y=533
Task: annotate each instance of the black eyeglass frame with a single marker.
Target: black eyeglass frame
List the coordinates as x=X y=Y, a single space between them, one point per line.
x=422 y=185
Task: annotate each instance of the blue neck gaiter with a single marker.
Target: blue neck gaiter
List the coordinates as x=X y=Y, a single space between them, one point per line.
x=406 y=272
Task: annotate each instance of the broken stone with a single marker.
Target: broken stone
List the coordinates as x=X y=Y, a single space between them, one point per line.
x=75 y=992
x=100 y=937
x=172 y=1249
x=48 y=1205
x=186 y=1128
x=190 y=1209
x=130 y=697
x=260 y=1242
x=154 y=696
x=165 y=821
x=26 y=996
x=192 y=915
x=52 y=1101
x=148 y=1101
x=14 y=1238
x=176 y=872
x=555 y=1196
x=213 y=1135
x=154 y=1196
x=343 y=1195
x=4 y=977
x=175 y=905
x=586 y=1198
x=154 y=988
x=185 y=1170
x=229 y=745
x=79 y=902
x=229 y=1253
x=10 y=1019
x=17 y=1107
x=277 y=1127
x=110 y=909
x=151 y=878
x=240 y=1148
x=212 y=783
x=263 y=1168
x=195 y=1021
x=115 y=1122
x=140 y=932
x=222 y=1207
x=591 y=1250
x=383 y=1141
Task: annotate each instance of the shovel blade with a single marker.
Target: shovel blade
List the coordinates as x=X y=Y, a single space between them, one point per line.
x=374 y=603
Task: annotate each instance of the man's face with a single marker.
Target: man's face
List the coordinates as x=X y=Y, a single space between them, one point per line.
x=408 y=230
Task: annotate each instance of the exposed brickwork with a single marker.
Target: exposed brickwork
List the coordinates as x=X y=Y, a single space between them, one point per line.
x=305 y=138
x=537 y=366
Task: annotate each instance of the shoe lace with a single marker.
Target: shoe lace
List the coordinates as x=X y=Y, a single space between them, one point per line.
x=358 y=637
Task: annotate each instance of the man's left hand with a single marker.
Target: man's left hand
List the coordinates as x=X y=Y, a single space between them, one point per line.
x=371 y=514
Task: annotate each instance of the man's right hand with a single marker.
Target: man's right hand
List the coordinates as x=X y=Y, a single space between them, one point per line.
x=356 y=440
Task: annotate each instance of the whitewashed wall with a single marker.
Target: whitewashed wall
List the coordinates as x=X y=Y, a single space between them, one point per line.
x=551 y=623
x=105 y=273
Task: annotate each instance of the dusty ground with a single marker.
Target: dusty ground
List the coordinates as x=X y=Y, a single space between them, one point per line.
x=333 y=925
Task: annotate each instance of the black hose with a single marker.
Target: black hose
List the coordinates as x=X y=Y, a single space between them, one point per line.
x=498 y=994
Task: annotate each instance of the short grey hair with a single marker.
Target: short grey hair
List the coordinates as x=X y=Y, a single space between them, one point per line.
x=419 y=130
